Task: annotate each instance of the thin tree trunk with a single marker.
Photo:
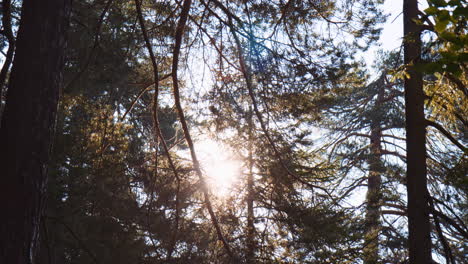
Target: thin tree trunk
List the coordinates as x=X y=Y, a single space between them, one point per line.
x=27 y=125
x=250 y=239
x=196 y=164
x=373 y=196
x=418 y=209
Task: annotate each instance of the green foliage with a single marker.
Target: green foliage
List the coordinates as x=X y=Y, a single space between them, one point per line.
x=114 y=198
x=450 y=28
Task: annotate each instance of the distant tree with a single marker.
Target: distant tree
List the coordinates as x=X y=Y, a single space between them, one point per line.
x=269 y=87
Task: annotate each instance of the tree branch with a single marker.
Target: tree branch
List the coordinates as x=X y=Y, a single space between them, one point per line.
x=95 y=45
x=393 y=212
x=175 y=64
x=459 y=84
x=445 y=245
x=157 y=128
x=75 y=236
x=446 y=134
x=451 y=222
x=142 y=91
x=248 y=78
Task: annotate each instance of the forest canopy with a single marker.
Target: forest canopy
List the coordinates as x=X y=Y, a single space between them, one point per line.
x=240 y=131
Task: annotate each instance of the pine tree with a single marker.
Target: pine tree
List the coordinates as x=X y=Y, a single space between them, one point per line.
x=418 y=197
x=28 y=123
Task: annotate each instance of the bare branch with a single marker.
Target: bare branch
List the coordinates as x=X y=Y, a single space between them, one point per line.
x=393 y=212
x=145 y=89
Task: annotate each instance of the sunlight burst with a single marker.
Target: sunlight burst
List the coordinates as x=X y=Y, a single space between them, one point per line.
x=220 y=166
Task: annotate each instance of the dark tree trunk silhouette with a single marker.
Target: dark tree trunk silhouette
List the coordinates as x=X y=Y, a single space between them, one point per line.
x=8 y=33
x=418 y=209
x=27 y=125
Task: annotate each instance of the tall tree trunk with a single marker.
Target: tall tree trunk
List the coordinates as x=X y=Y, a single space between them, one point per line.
x=373 y=196
x=250 y=239
x=8 y=33
x=418 y=209
x=28 y=123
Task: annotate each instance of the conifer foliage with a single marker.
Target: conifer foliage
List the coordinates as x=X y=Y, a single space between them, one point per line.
x=122 y=121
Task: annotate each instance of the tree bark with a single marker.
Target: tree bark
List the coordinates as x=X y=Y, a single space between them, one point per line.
x=27 y=125
x=374 y=182
x=418 y=202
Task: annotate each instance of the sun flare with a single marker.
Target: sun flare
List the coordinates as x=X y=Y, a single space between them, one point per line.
x=221 y=168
